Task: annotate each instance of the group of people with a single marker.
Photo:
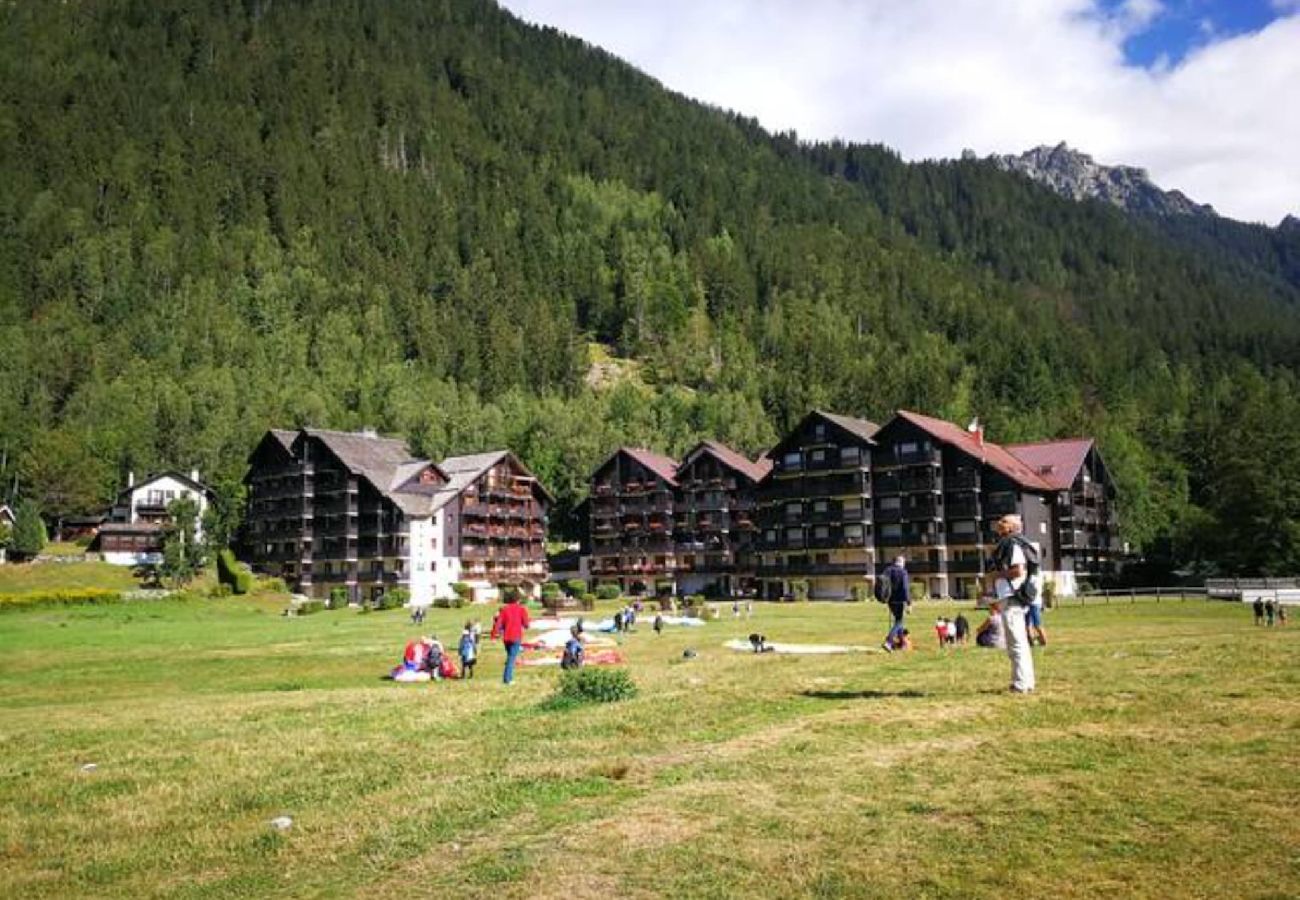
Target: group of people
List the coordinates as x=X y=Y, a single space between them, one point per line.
x=1270 y=611
x=427 y=655
x=1015 y=609
x=625 y=618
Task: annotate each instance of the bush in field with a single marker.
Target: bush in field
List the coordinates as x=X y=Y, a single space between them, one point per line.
x=588 y=602
x=551 y=591
x=608 y=592
x=594 y=686
x=448 y=602
x=58 y=598
x=220 y=591
x=859 y=593
x=393 y=599
x=307 y=607
x=576 y=587
x=461 y=590
x=338 y=597
x=799 y=590
x=1049 y=593
x=272 y=585
x=230 y=572
x=510 y=592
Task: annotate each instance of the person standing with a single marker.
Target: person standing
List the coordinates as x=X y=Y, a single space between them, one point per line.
x=896 y=588
x=468 y=651
x=1259 y=610
x=1011 y=561
x=509 y=625
x=963 y=628
x=1268 y=612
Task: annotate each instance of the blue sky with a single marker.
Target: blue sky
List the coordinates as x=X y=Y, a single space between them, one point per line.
x=1203 y=94
x=1181 y=26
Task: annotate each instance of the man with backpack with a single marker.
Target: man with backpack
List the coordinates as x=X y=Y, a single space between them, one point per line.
x=894 y=590
x=1015 y=561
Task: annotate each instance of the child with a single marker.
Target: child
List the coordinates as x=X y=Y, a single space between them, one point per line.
x=433 y=659
x=963 y=628
x=902 y=640
x=659 y=624
x=468 y=651
x=941 y=631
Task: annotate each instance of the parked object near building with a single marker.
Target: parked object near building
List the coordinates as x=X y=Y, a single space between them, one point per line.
x=353 y=510
x=137 y=523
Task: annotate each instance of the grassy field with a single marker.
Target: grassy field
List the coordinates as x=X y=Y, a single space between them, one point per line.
x=24 y=578
x=1161 y=757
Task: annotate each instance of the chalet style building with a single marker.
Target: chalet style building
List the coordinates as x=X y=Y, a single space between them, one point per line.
x=840 y=497
x=631 y=521
x=815 y=511
x=939 y=488
x=352 y=510
x=657 y=525
x=714 y=520
x=137 y=523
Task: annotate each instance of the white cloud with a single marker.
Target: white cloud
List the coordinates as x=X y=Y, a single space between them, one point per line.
x=931 y=77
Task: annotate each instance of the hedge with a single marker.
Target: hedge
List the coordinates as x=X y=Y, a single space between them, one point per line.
x=307 y=607
x=608 y=592
x=59 y=598
x=230 y=572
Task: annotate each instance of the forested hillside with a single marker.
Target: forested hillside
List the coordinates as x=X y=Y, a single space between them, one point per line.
x=220 y=216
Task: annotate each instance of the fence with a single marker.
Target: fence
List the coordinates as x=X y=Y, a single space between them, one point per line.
x=1134 y=595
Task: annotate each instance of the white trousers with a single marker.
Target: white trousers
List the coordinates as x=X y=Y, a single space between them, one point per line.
x=1022 y=659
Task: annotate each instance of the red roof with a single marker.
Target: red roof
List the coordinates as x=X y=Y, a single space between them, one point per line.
x=995 y=455
x=754 y=471
x=1056 y=462
x=663 y=466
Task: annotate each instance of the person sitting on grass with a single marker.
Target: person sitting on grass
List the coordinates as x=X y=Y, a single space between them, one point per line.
x=574 y=652
x=415 y=654
x=902 y=641
x=433 y=657
x=990 y=634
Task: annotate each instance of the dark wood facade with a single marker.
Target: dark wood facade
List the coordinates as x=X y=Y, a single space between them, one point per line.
x=503 y=525
x=631 y=523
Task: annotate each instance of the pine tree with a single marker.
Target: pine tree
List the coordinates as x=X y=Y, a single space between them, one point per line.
x=29 y=535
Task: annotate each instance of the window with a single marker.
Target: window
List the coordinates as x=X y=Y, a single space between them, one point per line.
x=822 y=532
x=793 y=509
x=853 y=533
x=888 y=503
x=850 y=456
x=820 y=506
x=964 y=526
x=819 y=431
x=792 y=460
x=770 y=536
x=793 y=534
x=891 y=531
x=819 y=456
x=1042 y=528
x=907 y=447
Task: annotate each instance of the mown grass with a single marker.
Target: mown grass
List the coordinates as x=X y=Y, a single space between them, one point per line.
x=26 y=578
x=1160 y=758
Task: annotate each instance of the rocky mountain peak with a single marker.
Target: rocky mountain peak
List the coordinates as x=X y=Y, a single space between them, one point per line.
x=1078 y=176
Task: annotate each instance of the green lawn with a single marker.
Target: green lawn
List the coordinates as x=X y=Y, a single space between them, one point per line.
x=1161 y=757
x=24 y=578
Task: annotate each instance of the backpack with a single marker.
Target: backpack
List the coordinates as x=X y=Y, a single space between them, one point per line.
x=1027 y=593
x=884 y=587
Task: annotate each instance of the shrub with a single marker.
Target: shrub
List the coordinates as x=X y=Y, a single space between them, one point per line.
x=1049 y=593
x=595 y=686
x=58 y=598
x=608 y=592
x=919 y=591
x=799 y=590
x=219 y=591
x=576 y=587
x=550 y=591
x=510 y=592
x=307 y=607
x=461 y=590
x=859 y=593
x=230 y=572
x=972 y=590
x=28 y=537
x=588 y=602
x=338 y=597
x=272 y=585
x=448 y=602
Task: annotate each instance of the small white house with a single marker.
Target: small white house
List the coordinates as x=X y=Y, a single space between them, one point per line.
x=8 y=518
x=137 y=524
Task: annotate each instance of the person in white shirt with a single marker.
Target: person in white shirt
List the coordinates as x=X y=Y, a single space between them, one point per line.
x=1013 y=568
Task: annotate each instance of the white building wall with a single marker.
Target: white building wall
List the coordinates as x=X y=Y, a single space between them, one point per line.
x=160 y=488
x=423 y=557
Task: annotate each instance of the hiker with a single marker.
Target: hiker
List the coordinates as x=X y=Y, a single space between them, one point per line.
x=1016 y=562
x=962 y=627
x=510 y=623
x=573 y=650
x=659 y=624
x=468 y=650
x=417 y=614
x=1259 y=610
x=893 y=589
x=1269 y=612
x=989 y=634
x=735 y=609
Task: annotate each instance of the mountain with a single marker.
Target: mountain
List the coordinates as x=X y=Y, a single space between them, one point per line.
x=218 y=216
x=1076 y=175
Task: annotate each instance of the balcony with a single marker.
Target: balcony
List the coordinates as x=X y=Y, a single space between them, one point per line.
x=963 y=509
x=911 y=540
x=865 y=568
x=961 y=480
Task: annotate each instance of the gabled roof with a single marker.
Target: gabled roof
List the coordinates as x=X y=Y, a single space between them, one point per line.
x=663 y=466
x=995 y=455
x=375 y=458
x=7 y=514
x=861 y=427
x=462 y=471
x=733 y=460
x=285 y=438
x=170 y=473
x=1056 y=462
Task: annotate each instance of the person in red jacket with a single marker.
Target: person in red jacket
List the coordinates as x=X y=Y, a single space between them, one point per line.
x=509 y=625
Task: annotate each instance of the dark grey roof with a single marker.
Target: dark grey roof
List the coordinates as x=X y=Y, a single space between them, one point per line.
x=861 y=427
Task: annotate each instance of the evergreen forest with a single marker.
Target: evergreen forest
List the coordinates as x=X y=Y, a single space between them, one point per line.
x=429 y=218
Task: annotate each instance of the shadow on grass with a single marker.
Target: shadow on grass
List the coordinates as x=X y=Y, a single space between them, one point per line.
x=864 y=695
